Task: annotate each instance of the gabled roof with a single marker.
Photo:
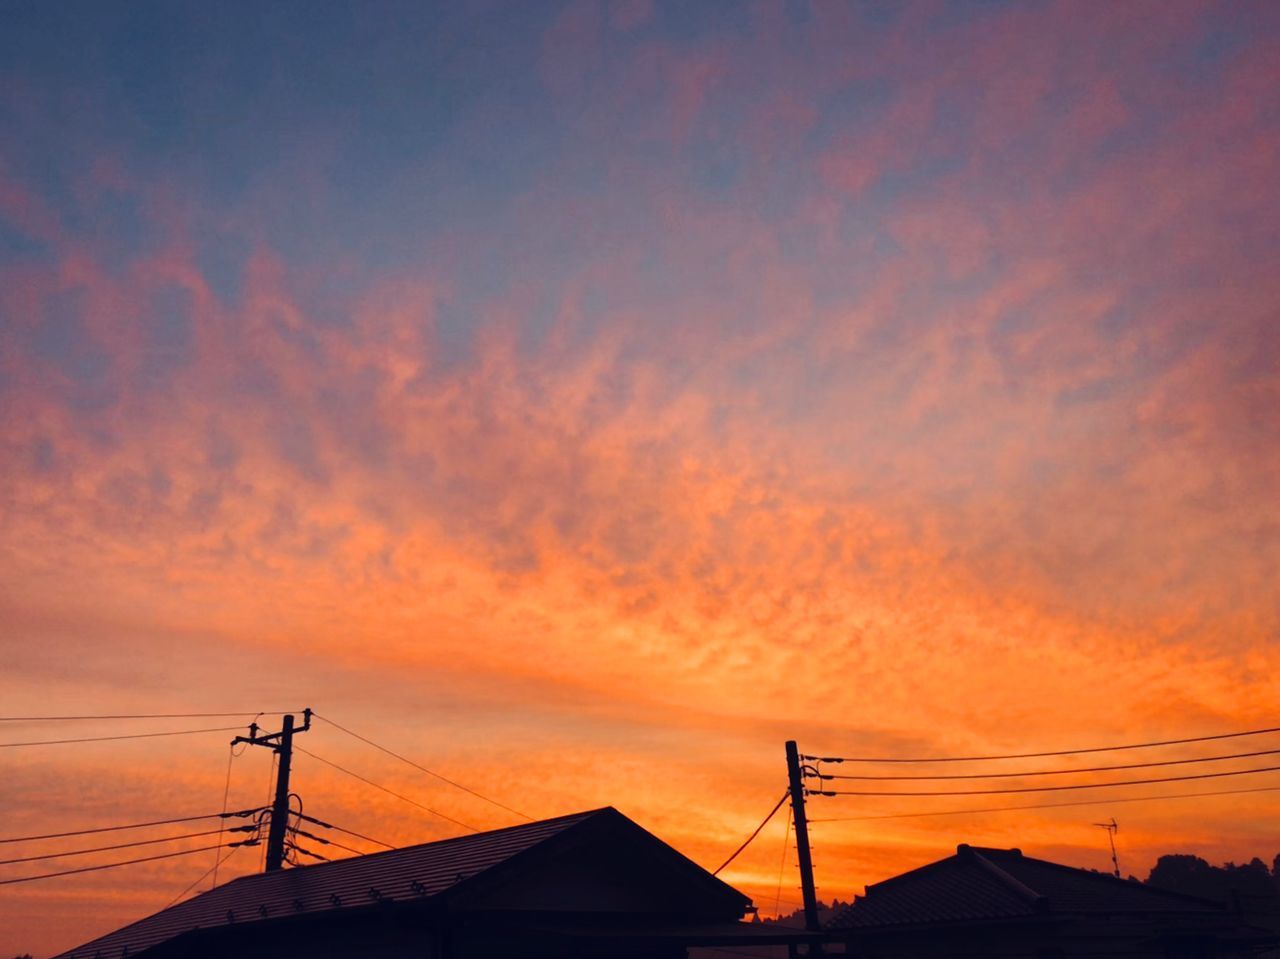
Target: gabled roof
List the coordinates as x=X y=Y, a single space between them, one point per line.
x=434 y=872
x=991 y=884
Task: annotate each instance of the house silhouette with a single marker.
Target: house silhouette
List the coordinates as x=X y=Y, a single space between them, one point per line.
x=998 y=902
x=588 y=884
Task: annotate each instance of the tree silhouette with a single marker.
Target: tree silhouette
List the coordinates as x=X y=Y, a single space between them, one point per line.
x=1225 y=883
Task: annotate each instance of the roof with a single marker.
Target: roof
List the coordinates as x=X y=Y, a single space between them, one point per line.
x=432 y=871
x=992 y=884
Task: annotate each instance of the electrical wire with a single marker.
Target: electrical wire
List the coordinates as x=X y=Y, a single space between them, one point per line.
x=122 y=845
x=786 y=847
x=247 y=712
x=764 y=823
x=1044 y=789
x=293 y=826
x=389 y=792
x=268 y=805
x=240 y=814
x=211 y=869
x=313 y=855
x=226 y=791
x=349 y=832
x=357 y=852
x=113 y=865
x=1047 y=772
x=421 y=768
x=104 y=739
x=1059 y=752
x=327 y=842
x=1051 y=805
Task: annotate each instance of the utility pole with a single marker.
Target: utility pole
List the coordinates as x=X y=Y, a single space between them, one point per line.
x=795 y=776
x=282 y=744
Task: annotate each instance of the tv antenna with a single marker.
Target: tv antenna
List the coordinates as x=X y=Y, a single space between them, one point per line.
x=1112 y=828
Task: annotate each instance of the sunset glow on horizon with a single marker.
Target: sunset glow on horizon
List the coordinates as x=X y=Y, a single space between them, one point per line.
x=583 y=399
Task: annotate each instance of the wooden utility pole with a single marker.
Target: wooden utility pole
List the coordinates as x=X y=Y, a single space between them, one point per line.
x=796 y=778
x=282 y=744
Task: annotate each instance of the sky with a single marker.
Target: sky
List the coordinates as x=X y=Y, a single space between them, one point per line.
x=583 y=399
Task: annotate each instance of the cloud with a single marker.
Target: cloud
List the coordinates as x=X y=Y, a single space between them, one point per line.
x=787 y=382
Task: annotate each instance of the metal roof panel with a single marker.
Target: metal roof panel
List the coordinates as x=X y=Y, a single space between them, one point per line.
x=412 y=873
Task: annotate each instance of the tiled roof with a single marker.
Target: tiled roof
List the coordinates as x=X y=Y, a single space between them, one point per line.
x=1068 y=889
x=989 y=884
x=412 y=873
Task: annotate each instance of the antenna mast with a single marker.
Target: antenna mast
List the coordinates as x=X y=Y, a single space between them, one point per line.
x=1112 y=828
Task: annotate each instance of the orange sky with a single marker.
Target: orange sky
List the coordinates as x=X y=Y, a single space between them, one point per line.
x=587 y=422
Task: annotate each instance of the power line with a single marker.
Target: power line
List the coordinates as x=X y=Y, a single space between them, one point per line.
x=310 y=835
x=241 y=813
x=1060 y=752
x=763 y=823
x=786 y=846
x=1044 y=789
x=103 y=739
x=334 y=842
x=327 y=842
x=129 y=862
x=389 y=792
x=203 y=877
x=123 y=845
x=1052 y=805
x=308 y=852
x=245 y=712
x=1050 y=772
x=349 y=832
x=226 y=791
x=421 y=768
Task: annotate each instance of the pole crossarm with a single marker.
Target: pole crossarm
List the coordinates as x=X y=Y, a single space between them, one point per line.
x=274 y=740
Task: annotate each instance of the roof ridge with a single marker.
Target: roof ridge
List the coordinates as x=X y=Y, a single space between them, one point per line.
x=1099 y=876
x=1037 y=899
